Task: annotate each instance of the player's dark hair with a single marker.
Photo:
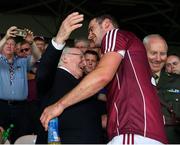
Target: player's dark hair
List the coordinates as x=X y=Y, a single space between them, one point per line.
x=101 y=18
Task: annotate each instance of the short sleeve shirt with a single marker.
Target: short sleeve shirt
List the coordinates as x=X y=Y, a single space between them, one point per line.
x=133 y=104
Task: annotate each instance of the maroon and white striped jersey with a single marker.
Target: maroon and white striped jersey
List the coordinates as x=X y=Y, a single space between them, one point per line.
x=133 y=104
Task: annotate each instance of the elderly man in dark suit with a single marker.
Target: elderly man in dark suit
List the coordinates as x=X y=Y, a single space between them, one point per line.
x=80 y=123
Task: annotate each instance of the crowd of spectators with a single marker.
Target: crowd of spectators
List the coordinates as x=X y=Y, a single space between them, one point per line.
x=31 y=68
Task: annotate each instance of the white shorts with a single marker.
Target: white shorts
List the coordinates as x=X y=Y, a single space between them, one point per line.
x=133 y=139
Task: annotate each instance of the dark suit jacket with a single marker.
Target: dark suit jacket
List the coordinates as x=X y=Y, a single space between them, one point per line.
x=169 y=93
x=79 y=123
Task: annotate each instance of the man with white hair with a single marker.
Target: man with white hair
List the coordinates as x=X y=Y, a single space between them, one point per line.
x=167 y=84
x=132 y=103
x=13 y=82
x=80 y=124
x=156 y=48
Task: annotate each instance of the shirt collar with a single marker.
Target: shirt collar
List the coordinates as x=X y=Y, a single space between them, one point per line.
x=61 y=67
x=5 y=59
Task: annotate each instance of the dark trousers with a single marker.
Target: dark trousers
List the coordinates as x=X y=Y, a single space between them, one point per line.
x=42 y=135
x=72 y=136
x=33 y=118
x=14 y=113
x=173 y=134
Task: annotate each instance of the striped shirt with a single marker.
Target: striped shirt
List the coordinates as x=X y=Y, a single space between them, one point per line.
x=133 y=104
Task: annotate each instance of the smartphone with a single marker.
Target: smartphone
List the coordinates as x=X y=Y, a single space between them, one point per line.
x=21 y=32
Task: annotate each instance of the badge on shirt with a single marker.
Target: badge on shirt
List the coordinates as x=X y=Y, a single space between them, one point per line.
x=176 y=91
x=153 y=81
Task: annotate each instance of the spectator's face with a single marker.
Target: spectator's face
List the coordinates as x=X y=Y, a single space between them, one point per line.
x=96 y=33
x=157 y=54
x=82 y=45
x=173 y=64
x=76 y=62
x=98 y=50
x=41 y=45
x=18 y=47
x=18 y=50
x=91 y=62
x=9 y=47
x=25 y=50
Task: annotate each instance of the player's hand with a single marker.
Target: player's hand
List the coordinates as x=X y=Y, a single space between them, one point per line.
x=49 y=113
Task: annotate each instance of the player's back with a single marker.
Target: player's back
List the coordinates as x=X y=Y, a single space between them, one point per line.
x=133 y=103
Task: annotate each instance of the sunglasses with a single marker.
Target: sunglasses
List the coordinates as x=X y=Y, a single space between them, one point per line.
x=24 y=50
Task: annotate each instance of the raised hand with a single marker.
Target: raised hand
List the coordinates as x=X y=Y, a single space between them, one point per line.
x=29 y=37
x=11 y=32
x=72 y=22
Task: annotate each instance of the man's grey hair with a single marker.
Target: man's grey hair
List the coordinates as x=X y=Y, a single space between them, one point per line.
x=65 y=51
x=148 y=37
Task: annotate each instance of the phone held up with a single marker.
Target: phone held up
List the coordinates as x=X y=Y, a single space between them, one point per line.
x=21 y=32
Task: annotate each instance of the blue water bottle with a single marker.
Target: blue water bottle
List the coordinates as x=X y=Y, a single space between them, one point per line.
x=53 y=132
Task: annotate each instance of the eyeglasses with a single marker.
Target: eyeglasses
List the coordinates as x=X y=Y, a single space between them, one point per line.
x=76 y=54
x=24 y=50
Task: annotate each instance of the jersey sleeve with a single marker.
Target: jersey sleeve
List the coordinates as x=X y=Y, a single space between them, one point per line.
x=114 y=41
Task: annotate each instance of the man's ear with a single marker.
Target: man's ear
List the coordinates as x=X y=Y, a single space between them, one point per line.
x=64 y=58
x=106 y=24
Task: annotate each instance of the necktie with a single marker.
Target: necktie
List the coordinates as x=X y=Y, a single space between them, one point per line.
x=11 y=72
x=156 y=77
